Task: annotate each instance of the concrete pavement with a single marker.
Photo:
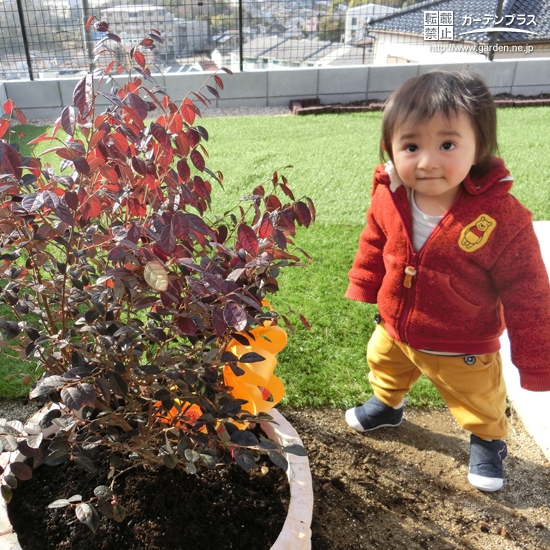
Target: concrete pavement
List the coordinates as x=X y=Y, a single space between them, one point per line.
x=532 y=407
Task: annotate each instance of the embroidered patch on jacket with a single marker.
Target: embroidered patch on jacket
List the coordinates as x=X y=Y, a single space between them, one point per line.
x=477 y=233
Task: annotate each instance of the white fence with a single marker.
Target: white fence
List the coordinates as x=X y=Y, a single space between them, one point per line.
x=528 y=77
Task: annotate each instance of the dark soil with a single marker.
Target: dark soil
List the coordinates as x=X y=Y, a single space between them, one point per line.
x=519 y=96
x=405 y=488
x=363 y=102
x=401 y=488
x=166 y=509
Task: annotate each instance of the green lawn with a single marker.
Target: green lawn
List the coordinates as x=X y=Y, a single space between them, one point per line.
x=333 y=157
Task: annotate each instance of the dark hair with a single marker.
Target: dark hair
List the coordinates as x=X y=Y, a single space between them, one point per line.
x=446 y=93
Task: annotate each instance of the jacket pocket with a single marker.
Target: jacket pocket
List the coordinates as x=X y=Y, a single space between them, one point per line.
x=443 y=283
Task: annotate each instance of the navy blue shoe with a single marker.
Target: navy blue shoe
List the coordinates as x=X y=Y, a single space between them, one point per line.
x=486 y=473
x=373 y=414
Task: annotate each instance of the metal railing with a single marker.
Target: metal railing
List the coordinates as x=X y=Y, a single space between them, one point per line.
x=48 y=38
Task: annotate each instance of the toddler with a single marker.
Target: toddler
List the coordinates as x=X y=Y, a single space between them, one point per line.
x=451 y=258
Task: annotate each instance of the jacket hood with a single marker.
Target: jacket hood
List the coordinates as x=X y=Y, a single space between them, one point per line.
x=496 y=175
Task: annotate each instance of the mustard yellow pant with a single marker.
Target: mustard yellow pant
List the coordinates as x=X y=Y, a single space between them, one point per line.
x=475 y=393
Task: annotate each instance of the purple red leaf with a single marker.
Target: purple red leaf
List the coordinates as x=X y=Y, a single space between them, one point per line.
x=83 y=95
x=218 y=322
x=32 y=202
x=187 y=326
x=180 y=226
x=68 y=120
x=311 y=208
x=81 y=165
x=194 y=137
x=247 y=239
x=234 y=315
x=117 y=253
x=184 y=171
x=272 y=203
x=168 y=240
x=266 y=226
x=303 y=214
x=213 y=91
x=8 y=106
x=287 y=191
x=160 y=135
x=138 y=105
x=20 y=115
x=198 y=160
x=4 y=127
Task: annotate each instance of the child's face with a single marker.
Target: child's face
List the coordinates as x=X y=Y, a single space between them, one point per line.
x=434 y=157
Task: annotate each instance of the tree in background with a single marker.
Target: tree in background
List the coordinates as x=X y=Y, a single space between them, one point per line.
x=331 y=27
x=222 y=22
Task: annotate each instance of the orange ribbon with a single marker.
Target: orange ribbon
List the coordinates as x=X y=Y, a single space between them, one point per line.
x=258 y=385
x=169 y=417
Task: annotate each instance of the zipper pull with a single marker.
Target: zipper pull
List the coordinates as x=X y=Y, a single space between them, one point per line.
x=410 y=272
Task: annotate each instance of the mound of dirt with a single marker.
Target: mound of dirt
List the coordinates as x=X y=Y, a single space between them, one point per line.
x=406 y=487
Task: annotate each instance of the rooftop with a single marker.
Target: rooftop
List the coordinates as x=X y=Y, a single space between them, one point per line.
x=532 y=16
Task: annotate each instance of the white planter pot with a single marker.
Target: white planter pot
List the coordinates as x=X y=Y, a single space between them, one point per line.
x=296 y=532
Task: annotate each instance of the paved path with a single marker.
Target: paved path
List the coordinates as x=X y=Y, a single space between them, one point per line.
x=532 y=407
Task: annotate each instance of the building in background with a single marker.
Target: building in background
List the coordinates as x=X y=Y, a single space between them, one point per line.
x=273 y=52
x=357 y=19
x=180 y=38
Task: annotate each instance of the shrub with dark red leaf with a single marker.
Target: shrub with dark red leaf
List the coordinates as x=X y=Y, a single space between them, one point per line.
x=124 y=288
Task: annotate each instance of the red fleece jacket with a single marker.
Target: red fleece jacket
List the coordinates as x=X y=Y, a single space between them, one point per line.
x=480 y=270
